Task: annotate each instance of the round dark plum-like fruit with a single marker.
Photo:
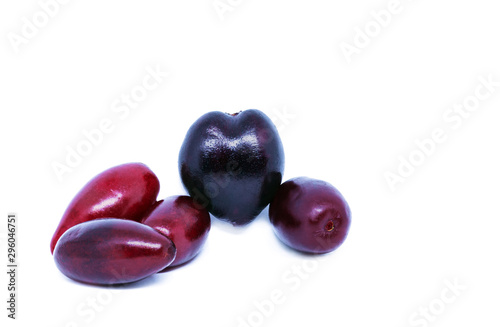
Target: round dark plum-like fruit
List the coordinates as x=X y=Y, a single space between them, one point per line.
x=232 y=164
x=310 y=215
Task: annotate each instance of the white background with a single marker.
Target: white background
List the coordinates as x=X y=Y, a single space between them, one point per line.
x=347 y=123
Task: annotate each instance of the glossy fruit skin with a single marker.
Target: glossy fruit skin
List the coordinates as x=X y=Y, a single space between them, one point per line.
x=126 y=191
x=112 y=251
x=232 y=164
x=184 y=222
x=310 y=215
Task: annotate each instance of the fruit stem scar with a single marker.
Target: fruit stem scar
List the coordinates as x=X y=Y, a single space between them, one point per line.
x=329 y=226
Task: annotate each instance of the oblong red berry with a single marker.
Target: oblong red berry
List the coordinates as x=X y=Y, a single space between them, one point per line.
x=126 y=191
x=184 y=222
x=112 y=251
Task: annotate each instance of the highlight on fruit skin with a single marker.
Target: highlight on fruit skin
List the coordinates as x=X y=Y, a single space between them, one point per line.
x=112 y=251
x=125 y=191
x=232 y=164
x=310 y=215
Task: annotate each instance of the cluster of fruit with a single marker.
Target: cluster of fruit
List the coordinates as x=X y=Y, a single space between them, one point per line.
x=115 y=231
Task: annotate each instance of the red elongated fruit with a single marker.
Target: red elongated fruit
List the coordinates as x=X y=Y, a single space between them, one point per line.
x=310 y=215
x=112 y=251
x=232 y=163
x=184 y=222
x=126 y=191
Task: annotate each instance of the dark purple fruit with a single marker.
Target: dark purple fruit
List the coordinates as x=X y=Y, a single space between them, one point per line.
x=112 y=251
x=182 y=221
x=232 y=164
x=310 y=215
